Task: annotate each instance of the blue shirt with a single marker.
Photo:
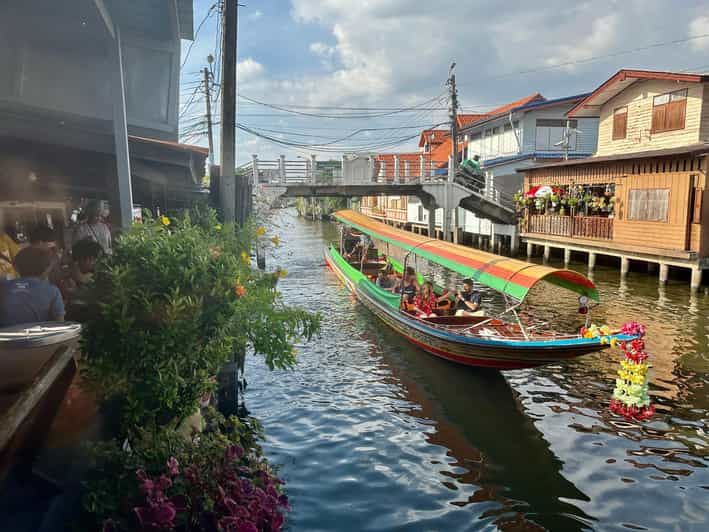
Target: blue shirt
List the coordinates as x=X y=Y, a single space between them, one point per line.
x=29 y=300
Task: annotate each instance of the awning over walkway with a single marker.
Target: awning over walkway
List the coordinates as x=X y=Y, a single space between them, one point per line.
x=509 y=276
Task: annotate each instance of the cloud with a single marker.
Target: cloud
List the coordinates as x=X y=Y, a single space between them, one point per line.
x=248 y=70
x=699 y=26
x=255 y=15
x=603 y=36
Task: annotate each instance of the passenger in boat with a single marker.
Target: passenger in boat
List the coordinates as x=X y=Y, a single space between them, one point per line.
x=42 y=236
x=425 y=303
x=409 y=287
x=8 y=251
x=384 y=281
x=31 y=297
x=468 y=301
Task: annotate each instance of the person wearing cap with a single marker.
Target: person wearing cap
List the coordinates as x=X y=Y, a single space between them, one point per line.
x=386 y=279
x=468 y=301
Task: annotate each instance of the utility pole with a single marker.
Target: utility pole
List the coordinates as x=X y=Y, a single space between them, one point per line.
x=227 y=192
x=453 y=115
x=208 y=97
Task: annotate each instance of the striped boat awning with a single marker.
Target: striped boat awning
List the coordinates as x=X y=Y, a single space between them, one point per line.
x=509 y=276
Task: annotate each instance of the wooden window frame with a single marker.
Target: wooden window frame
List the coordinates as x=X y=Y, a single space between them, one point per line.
x=616 y=135
x=646 y=220
x=655 y=128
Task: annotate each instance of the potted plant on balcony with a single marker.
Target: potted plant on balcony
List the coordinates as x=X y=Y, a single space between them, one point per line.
x=573 y=204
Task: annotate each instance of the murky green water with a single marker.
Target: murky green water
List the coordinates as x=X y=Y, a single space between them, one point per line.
x=373 y=434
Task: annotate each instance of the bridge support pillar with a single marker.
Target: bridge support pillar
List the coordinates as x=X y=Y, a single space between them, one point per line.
x=456 y=228
x=432 y=222
x=567 y=256
x=624 y=266
x=530 y=250
x=696 y=278
x=591 y=261
x=514 y=242
x=547 y=253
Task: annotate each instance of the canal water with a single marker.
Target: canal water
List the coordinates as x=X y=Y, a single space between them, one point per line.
x=371 y=433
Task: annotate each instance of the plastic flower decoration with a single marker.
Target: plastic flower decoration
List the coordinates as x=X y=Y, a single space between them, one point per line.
x=260 y=231
x=630 y=397
x=164 y=220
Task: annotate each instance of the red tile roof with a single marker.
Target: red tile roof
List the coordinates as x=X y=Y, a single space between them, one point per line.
x=523 y=101
x=432 y=136
x=467 y=119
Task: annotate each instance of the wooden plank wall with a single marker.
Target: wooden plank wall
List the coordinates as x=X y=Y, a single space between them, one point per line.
x=673 y=173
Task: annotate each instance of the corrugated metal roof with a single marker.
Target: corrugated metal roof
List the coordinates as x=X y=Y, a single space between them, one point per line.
x=693 y=149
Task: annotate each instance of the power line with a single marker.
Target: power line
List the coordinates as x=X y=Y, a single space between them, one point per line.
x=599 y=57
x=210 y=12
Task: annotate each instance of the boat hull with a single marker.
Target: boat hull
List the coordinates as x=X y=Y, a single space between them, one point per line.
x=24 y=349
x=467 y=350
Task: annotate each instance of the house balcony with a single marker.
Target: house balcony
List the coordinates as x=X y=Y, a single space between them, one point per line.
x=386 y=213
x=584 y=227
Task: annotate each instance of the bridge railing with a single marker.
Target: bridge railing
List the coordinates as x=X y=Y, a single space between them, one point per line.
x=359 y=169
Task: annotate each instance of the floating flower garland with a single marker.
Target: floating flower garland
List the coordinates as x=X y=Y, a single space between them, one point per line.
x=630 y=397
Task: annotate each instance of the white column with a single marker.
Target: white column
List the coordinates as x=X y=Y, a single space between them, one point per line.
x=451 y=176
x=254 y=168
x=696 y=278
x=567 y=256
x=530 y=250
x=433 y=168
x=422 y=166
x=372 y=177
x=282 y=168
x=664 y=273
x=407 y=170
x=120 y=136
x=624 y=265
x=547 y=253
x=591 y=261
x=397 y=169
x=313 y=167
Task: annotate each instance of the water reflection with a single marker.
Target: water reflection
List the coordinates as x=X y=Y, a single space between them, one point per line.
x=372 y=434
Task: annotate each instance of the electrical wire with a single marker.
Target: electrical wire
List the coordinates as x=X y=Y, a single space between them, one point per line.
x=210 y=12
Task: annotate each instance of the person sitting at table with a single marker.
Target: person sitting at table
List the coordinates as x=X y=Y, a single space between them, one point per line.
x=30 y=298
x=468 y=301
x=426 y=301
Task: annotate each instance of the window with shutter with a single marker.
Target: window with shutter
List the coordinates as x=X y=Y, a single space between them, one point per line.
x=620 y=123
x=648 y=204
x=669 y=111
x=697 y=210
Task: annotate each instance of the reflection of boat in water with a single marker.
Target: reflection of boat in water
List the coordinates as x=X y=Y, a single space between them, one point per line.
x=24 y=349
x=478 y=418
x=502 y=342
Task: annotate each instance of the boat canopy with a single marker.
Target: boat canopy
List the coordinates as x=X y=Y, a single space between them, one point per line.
x=509 y=276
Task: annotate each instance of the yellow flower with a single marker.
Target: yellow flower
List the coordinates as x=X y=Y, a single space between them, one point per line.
x=245 y=258
x=165 y=220
x=614 y=342
x=218 y=227
x=260 y=231
x=281 y=274
x=276 y=241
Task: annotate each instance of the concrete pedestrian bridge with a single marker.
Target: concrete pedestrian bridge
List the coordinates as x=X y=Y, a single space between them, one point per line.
x=359 y=176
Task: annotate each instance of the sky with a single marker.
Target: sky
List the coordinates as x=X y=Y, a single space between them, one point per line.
x=325 y=57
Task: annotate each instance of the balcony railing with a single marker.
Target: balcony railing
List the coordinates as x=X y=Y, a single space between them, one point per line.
x=591 y=227
x=398 y=215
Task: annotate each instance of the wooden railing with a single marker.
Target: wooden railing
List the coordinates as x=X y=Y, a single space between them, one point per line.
x=399 y=215
x=592 y=227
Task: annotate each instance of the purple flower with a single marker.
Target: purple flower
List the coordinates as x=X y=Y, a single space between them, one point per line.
x=159 y=516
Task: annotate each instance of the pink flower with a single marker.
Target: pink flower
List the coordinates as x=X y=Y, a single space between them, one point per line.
x=173 y=466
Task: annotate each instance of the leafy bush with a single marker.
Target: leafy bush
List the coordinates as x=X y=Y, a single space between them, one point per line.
x=216 y=481
x=175 y=301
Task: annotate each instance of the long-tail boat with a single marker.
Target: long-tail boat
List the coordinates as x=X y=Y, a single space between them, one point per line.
x=500 y=342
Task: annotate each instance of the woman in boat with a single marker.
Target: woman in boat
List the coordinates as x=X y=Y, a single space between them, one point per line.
x=409 y=287
x=425 y=303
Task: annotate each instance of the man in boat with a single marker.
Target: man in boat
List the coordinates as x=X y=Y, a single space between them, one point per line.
x=468 y=301
x=385 y=279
